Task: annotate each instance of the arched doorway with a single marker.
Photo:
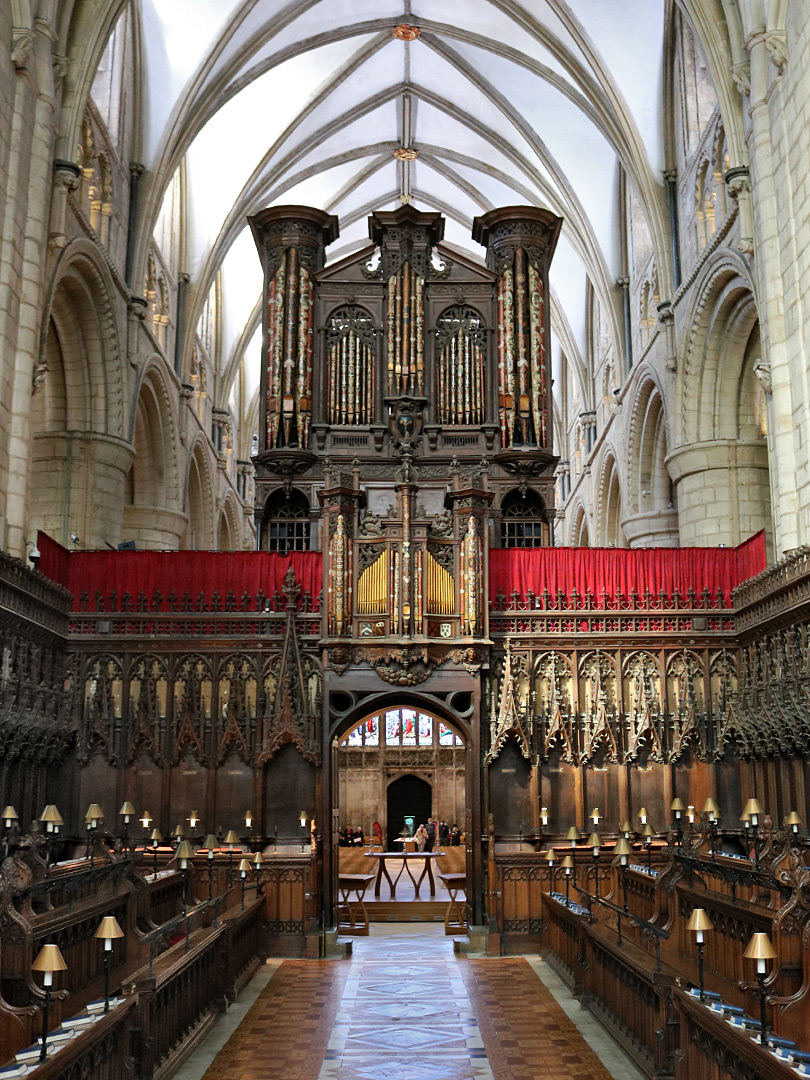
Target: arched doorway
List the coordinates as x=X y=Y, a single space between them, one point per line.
x=409 y=803
x=400 y=760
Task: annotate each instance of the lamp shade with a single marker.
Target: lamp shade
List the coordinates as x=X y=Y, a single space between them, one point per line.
x=10 y=814
x=567 y=863
x=94 y=813
x=550 y=856
x=210 y=842
x=231 y=838
x=127 y=810
x=699 y=920
x=623 y=847
x=244 y=865
x=677 y=804
x=648 y=830
x=793 y=818
x=146 y=818
x=184 y=850
x=759 y=948
x=626 y=827
x=753 y=809
x=594 y=814
x=643 y=814
x=302 y=817
x=573 y=833
x=109 y=929
x=51 y=814
x=745 y=818
x=711 y=807
x=594 y=840
x=155 y=836
x=178 y=832
x=49 y=958
x=257 y=859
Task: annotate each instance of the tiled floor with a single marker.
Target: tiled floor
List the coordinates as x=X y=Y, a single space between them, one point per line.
x=405 y=1008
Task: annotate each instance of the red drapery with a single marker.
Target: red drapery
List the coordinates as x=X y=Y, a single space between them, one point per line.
x=623 y=570
x=177 y=572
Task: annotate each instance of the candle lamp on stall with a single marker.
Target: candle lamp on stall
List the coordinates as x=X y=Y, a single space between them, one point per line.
x=754 y=811
x=691 y=814
x=648 y=832
x=184 y=852
x=567 y=865
x=760 y=948
x=699 y=923
x=595 y=817
x=9 y=817
x=626 y=829
x=126 y=812
x=550 y=857
x=231 y=839
x=244 y=870
x=49 y=960
x=92 y=819
x=302 y=818
x=146 y=820
x=543 y=817
x=793 y=821
x=624 y=849
x=52 y=820
x=155 y=837
x=595 y=842
x=210 y=843
x=177 y=834
x=108 y=932
x=642 y=816
x=572 y=836
x=677 y=807
x=193 y=821
x=712 y=812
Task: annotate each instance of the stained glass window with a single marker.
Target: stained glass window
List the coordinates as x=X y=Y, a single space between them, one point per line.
x=425 y=729
x=447 y=737
x=392 y=728
x=403 y=727
x=408 y=727
x=372 y=732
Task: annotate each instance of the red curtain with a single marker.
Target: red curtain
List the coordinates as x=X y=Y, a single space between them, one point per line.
x=621 y=570
x=178 y=572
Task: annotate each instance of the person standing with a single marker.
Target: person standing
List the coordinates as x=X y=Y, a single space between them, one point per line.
x=420 y=838
x=431 y=834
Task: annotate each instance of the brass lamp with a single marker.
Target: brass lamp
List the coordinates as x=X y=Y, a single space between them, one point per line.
x=193 y=820
x=210 y=843
x=92 y=819
x=146 y=819
x=302 y=818
x=52 y=819
x=595 y=842
x=549 y=856
x=711 y=809
x=691 y=814
x=626 y=828
x=595 y=816
x=177 y=833
x=699 y=923
x=156 y=838
x=677 y=807
x=126 y=812
x=573 y=835
x=754 y=811
x=624 y=849
x=248 y=819
x=257 y=860
x=648 y=832
x=760 y=948
x=10 y=815
x=49 y=959
x=230 y=839
x=184 y=852
x=794 y=821
x=544 y=816
x=108 y=931
x=642 y=815
x=244 y=870
x=567 y=865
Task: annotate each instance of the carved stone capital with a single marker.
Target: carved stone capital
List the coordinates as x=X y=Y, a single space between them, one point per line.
x=22 y=45
x=763 y=372
x=741 y=74
x=738 y=180
x=776 y=44
x=137 y=306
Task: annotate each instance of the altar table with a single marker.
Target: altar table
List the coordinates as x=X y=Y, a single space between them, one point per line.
x=384 y=857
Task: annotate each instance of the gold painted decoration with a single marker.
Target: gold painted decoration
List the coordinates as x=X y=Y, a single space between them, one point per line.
x=461 y=355
x=351 y=366
x=522 y=385
x=289 y=353
x=405 y=333
x=372 y=587
x=404 y=32
x=440 y=591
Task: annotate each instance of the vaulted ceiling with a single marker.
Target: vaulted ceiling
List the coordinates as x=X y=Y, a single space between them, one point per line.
x=458 y=106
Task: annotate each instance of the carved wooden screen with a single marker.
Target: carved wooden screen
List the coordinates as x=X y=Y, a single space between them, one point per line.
x=351 y=359
x=460 y=357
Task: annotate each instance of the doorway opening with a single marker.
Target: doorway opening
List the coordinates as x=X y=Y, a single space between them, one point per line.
x=398 y=768
x=409 y=804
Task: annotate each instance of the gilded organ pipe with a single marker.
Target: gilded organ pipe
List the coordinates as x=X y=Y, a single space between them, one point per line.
x=372 y=587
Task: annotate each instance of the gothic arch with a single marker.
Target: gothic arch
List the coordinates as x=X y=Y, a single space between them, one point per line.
x=609 y=512
x=580 y=531
x=721 y=318
x=199 y=500
x=228 y=532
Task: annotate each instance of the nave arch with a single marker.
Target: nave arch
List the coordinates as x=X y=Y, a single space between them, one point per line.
x=650 y=514
x=80 y=446
x=720 y=463
x=609 y=512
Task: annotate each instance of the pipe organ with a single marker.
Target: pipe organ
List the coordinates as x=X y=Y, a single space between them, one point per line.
x=405 y=391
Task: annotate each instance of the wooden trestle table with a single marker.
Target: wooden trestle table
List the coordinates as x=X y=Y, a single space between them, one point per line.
x=405 y=857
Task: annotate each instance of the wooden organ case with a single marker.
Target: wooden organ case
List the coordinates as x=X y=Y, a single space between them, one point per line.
x=405 y=390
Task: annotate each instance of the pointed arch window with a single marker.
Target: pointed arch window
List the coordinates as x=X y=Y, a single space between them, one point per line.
x=286 y=525
x=524 y=523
